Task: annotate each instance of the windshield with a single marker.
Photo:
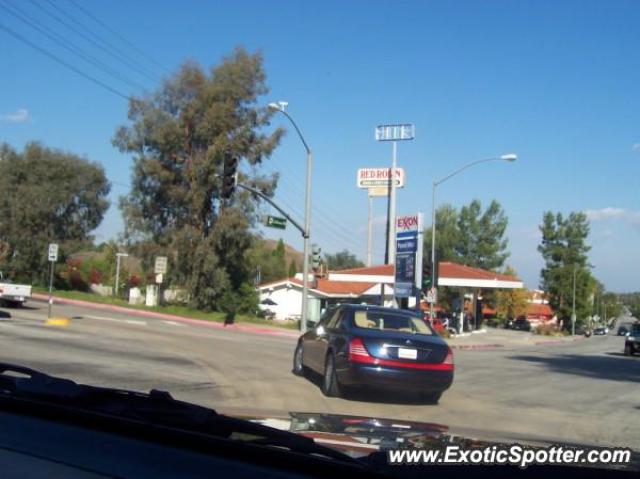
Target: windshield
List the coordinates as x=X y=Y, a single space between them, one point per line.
x=419 y=211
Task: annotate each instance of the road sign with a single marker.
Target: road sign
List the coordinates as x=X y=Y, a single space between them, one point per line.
x=160 y=266
x=432 y=295
x=379 y=177
x=53 y=252
x=276 y=222
x=404 y=131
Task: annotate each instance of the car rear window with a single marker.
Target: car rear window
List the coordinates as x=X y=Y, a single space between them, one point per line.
x=384 y=321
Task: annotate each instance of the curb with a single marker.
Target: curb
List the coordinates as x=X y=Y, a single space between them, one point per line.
x=559 y=341
x=152 y=314
x=476 y=346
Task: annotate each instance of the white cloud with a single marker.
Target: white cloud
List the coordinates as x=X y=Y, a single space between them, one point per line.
x=608 y=213
x=19 y=116
x=636 y=147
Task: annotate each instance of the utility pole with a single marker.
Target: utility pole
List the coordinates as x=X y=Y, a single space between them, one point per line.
x=573 y=313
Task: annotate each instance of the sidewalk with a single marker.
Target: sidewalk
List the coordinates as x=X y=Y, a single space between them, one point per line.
x=492 y=339
x=243 y=327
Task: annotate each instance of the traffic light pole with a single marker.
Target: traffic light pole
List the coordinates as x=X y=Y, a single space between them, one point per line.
x=272 y=203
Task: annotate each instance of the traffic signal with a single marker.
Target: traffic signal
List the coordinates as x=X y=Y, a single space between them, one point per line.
x=316 y=257
x=229 y=176
x=429 y=275
x=426 y=275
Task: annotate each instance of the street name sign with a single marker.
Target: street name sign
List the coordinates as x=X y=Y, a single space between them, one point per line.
x=276 y=222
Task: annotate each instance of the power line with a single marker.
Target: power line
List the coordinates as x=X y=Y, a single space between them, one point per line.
x=118 y=57
x=121 y=37
x=51 y=34
x=105 y=42
x=62 y=62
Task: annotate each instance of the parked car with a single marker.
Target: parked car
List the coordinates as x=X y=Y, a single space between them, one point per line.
x=521 y=324
x=371 y=346
x=632 y=342
x=13 y=294
x=600 y=331
x=623 y=331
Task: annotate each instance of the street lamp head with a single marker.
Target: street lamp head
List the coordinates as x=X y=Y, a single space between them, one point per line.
x=509 y=157
x=280 y=106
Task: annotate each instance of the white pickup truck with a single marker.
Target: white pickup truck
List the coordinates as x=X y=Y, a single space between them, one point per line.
x=13 y=294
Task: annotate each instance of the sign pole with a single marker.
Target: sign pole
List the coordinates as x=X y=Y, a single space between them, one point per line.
x=391 y=211
x=53 y=257
x=51 y=263
x=370 y=231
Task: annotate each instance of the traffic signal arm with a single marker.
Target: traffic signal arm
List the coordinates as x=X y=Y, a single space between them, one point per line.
x=272 y=203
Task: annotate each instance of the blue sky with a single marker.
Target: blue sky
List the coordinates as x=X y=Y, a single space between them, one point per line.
x=554 y=82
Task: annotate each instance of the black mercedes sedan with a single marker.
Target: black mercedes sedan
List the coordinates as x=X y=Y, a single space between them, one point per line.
x=360 y=345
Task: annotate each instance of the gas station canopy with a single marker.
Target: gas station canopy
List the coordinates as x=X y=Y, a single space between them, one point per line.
x=457 y=275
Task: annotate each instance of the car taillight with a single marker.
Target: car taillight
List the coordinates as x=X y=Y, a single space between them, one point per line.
x=449 y=358
x=358 y=352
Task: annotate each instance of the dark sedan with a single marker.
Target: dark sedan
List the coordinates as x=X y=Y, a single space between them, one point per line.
x=359 y=345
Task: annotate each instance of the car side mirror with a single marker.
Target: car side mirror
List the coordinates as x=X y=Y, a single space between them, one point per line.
x=320 y=330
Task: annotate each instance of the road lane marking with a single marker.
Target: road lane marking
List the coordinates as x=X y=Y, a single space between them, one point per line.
x=137 y=323
x=129 y=321
x=173 y=323
x=102 y=318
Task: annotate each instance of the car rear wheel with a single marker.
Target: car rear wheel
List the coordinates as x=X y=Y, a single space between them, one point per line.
x=330 y=385
x=298 y=367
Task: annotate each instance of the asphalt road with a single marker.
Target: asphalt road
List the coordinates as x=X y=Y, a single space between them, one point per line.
x=584 y=392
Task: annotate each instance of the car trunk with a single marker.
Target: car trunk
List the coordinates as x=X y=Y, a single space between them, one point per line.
x=405 y=347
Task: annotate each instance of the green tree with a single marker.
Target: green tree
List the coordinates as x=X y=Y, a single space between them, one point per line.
x=564 y=250
x=47 y=196
x=179 y=137
x=293 y=268
x=480 y=242
x=342 y=260
x=470 y=236
x=270 y=261
x=447 y=234
x=511 y=303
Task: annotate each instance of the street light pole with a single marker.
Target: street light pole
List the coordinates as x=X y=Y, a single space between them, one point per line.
x=509 y=157
x=280 y=106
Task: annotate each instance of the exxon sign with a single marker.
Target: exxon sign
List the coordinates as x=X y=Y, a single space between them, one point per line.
x=408 y=223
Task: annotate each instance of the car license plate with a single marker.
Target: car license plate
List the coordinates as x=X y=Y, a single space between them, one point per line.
x=405 y=353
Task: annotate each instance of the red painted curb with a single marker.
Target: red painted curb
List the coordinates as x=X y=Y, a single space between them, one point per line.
x=172 y=317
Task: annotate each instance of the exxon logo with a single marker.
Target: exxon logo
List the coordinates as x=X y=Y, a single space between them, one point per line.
x=407 y=223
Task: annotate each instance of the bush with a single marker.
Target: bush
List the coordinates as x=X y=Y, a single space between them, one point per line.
x=547 y=330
